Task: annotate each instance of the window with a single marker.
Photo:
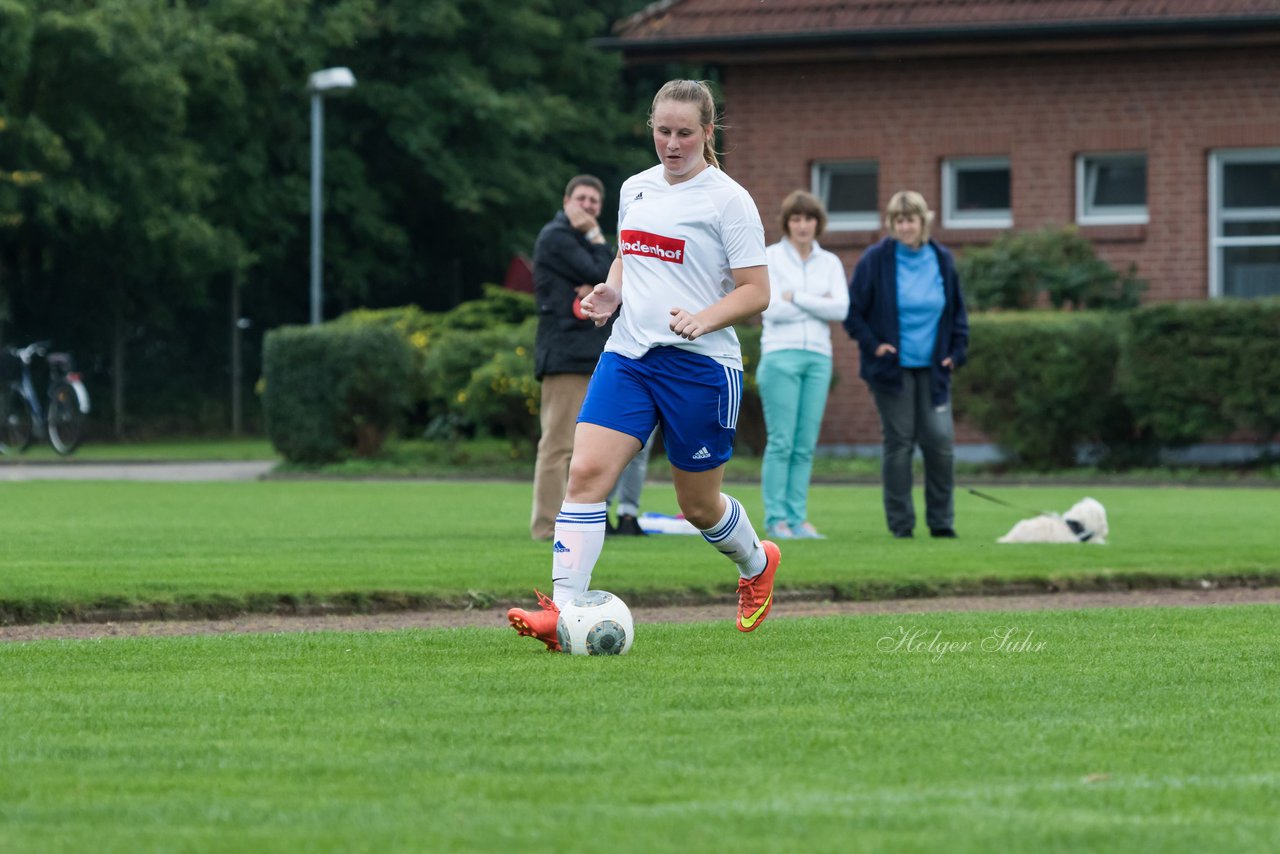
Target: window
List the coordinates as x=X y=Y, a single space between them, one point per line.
x=1111 y=189
x=1244 y=223
x=976 y=193
x=851 y=193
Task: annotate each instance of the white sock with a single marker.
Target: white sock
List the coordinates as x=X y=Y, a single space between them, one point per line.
x=578 y=541
x=734 y=537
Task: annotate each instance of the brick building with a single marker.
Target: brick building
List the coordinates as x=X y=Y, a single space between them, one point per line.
x=1154 y=125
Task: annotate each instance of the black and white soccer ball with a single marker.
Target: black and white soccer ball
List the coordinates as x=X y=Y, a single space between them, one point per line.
x=595 y=623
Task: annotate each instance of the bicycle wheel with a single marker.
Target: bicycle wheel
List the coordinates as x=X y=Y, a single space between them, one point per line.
x=66 y=421
x=19 y=423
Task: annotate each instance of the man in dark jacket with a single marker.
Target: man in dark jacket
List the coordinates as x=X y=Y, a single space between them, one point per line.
x=570 y=258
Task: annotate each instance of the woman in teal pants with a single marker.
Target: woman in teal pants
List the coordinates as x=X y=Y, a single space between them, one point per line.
x=808 y=292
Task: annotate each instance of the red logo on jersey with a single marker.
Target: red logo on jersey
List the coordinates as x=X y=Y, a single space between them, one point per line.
x=654 y=245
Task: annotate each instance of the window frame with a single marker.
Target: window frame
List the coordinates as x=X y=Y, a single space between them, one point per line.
x=819 y=181
x=992 y=218
x=1087 y=214
x=1218 y=160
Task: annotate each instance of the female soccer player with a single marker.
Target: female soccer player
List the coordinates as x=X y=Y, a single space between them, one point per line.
x=691 y=263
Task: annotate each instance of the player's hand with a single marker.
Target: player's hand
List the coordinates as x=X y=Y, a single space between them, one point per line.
x=885 y=348
x=686 y=325
x=947 y=363
x=601 y=303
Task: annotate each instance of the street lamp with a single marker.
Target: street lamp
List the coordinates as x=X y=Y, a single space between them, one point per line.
x=330 y=81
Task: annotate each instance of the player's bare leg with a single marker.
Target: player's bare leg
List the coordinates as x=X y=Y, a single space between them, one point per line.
x=599 y=455
x=724 y=524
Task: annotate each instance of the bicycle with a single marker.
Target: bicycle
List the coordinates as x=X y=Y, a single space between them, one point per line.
x=61 y=421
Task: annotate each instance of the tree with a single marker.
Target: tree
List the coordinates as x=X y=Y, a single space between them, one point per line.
x=173 y=141
x=470 y=120
x=115 y=238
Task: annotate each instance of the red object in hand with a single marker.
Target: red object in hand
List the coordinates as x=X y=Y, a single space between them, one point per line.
x=577 y=309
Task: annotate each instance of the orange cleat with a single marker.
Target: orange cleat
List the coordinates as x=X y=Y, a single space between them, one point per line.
x=755 y=596
x=539 y=624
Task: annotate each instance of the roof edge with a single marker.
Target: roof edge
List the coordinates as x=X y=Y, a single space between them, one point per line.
x=1063 y=30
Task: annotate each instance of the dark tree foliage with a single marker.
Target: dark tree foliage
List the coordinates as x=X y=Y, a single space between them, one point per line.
x=170 y=144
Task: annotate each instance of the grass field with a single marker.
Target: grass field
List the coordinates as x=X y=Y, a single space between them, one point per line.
x=499 y=458
x=1115 y=730
x=156 y=450
x=227 y=547
x=1092 y=730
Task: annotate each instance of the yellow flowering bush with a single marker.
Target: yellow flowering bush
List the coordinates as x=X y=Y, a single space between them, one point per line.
x=415 y=325
x=492 y=335
x=501 y=396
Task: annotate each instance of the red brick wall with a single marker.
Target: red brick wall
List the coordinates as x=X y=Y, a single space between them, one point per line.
x=1040 y=111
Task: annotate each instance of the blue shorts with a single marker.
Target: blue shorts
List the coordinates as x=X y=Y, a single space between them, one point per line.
x=693 y=397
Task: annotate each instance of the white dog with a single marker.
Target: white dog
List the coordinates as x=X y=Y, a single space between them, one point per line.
x=1085 y=522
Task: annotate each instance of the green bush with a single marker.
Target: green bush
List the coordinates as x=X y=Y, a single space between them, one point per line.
x=497 y=307
x=483 y=379
x=751 y=436
x=415 y=325
x=450 y=348
x=1196 y=370
x=334 y=390
x=501 y=397
x=1043 y=383
x=408 y=320
x=452 y=357
x=1013 y=271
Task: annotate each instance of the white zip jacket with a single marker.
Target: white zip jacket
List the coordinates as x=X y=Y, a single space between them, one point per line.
x=820 y=294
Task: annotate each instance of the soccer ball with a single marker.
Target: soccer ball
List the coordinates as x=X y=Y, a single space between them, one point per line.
x=595 y=623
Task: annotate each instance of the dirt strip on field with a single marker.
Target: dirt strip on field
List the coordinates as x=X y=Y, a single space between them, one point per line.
x=495 y=618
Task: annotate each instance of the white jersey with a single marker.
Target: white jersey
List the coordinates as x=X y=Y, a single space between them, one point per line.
x=680 y=244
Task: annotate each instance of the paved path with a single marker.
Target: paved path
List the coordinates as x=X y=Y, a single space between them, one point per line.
x=170 y=471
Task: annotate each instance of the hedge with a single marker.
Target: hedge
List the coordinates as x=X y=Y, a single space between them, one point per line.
x=334 y=390
x=1192 y=370
x=1042 y=384
x=473 y=365
x=473 y=368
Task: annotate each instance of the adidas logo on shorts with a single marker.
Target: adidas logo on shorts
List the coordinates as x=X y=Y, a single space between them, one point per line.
x=561 y=548
x=703 y=454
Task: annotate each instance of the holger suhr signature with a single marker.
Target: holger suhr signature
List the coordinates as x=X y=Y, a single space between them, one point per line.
x=1002 y=639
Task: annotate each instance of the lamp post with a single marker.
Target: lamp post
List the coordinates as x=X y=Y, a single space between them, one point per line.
x=330 y=81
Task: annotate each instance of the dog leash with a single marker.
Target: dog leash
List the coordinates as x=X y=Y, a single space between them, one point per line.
x=1081 y=533
x=1004 y=503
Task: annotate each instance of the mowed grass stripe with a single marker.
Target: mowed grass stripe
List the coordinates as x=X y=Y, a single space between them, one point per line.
x=1122 y=730
x=226 y=547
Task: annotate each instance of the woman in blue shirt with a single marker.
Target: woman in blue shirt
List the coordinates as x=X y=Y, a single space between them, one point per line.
x=907 y=314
